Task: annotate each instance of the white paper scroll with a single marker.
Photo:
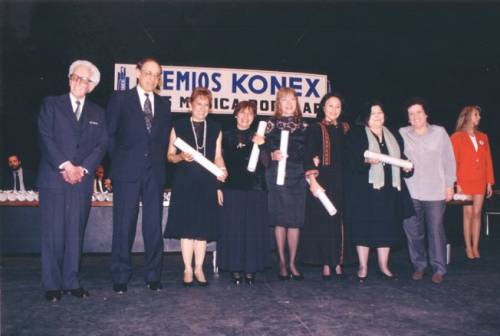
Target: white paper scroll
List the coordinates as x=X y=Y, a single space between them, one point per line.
x=280 y=179
x=254 y=155
x=389 y=159
x=198 y=157
x=461 y=197
x=323 y=198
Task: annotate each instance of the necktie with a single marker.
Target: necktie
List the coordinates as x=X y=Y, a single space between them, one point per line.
x=148 y=113
x=78 y=111
x=17 y=183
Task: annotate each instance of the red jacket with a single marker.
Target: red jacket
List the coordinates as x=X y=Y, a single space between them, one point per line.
x=474 y=168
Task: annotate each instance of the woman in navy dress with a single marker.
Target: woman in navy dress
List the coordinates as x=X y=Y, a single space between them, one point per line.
x=193 y=213
x=243 y=244
x=322 y=238
x=287 y=202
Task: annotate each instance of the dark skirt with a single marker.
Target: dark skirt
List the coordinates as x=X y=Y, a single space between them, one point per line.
x=243 y=244
x=287 y=202
x=193 y=212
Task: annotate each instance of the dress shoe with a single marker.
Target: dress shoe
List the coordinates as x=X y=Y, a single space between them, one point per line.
x=187 y=280
x=388 y=277
x=475 y=253
x=283 y=277
x=79 y=293
x=199 y=277
x=249 y=278
x=362 y=279
x=120 y=288
x=417 y=275
x=236 y=278
x=469 y=253
x=154 y=285
x=53 y=296
x=297 y=277
x=437 y=278
x=326 y=277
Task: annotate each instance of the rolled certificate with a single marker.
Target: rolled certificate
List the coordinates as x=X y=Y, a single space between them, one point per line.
x=198 y=157
x=389 y=159
x=461 y=197
x=254 y=155
x=323 y=198
x=280 y=179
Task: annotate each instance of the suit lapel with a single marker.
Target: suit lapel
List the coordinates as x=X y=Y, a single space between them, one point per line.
x=68 y=110
x=135 y=101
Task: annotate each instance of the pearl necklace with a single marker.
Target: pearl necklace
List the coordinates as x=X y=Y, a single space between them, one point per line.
x=203 y=146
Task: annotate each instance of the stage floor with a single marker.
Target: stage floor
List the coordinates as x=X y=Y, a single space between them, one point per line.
x=466 y=303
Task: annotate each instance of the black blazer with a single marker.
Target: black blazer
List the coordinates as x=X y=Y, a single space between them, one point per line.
x=63 y=138
x=29 y=179
x=131 y=148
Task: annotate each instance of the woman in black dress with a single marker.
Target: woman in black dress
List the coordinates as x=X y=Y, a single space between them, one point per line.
x=193 y=212
x=287 y=202
x=377 y=198
x=322 y=238
x=243 y=244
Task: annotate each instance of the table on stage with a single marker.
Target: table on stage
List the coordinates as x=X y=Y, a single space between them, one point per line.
x=20 y=229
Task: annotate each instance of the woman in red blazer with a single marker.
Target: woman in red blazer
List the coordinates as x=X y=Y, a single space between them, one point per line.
x=474 y=173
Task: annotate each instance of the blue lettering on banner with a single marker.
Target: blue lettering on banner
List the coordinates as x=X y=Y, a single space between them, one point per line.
x=167 y=81
x=203 y=80
x=182 y=78
x=275 y=85
x=216 y=80
x=237 y=83
x=296 y=84
x=312 y=87
x=254 y=88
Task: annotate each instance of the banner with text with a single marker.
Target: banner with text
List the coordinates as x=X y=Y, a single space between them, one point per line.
x=230 y=86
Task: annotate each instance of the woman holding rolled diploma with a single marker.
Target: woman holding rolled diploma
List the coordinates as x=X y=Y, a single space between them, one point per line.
x=376 y=196
x=475 y=175
x=243 y=244
x=193 y=212
x=322 y=237
x=287 y=201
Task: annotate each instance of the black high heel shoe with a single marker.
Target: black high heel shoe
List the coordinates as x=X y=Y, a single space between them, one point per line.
x=392 y=277
x=298 y=277
x=200 y=283
x=362 y=279
x=236 y=278
x=249 y=278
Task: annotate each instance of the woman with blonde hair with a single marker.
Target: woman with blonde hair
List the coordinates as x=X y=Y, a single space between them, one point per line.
x=287 y=202
x=474 y=173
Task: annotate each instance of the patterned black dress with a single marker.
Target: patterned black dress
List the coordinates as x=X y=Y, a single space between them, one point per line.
x=322 y=237
x=287 y=202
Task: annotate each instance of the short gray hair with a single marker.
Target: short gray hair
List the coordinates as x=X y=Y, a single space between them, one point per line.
x=94 y=77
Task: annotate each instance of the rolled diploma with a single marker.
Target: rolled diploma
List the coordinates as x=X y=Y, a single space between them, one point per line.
x=389 y=159
x=461 y=197
x=323 y=198
x=198 y=157
x=280 y=179
x=254 y=155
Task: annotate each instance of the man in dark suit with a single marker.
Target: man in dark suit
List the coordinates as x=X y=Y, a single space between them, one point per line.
x=18 y=178
x=73 y=140
x=138 y=123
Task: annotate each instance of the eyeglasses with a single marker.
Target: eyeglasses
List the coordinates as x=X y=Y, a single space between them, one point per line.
x=83 y=80
x=151 y=74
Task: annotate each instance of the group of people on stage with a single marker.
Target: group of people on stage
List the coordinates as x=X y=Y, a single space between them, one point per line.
x=374 y=201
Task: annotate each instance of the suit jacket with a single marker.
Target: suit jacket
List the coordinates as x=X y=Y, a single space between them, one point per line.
x=63 y=138
x=474 y=168
x=29 y=180
x=131 y=147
